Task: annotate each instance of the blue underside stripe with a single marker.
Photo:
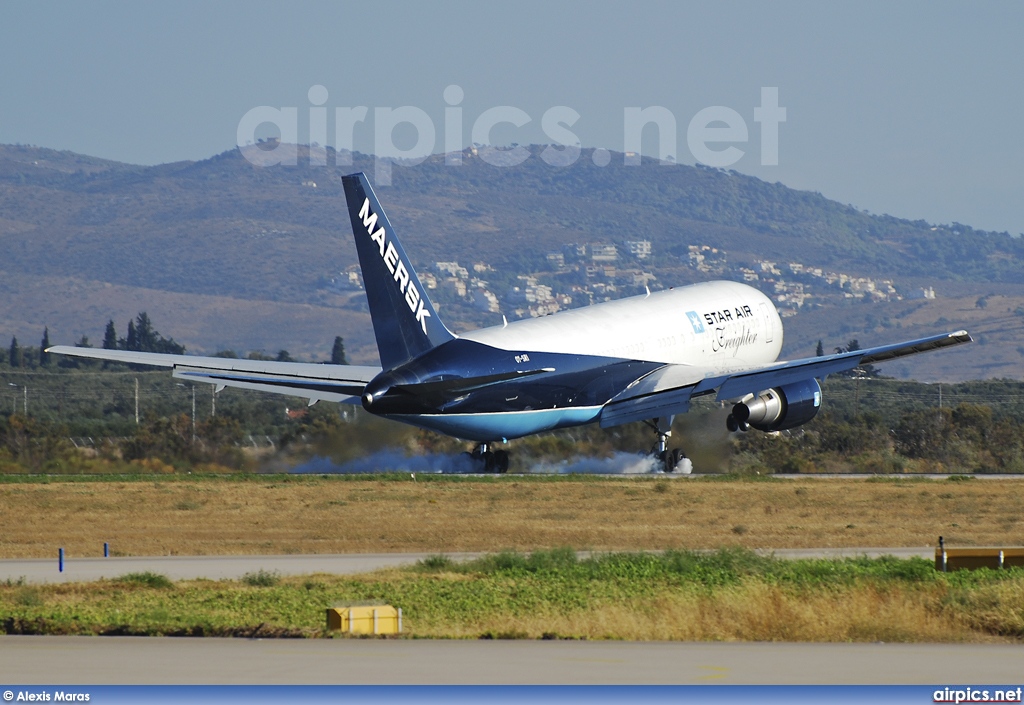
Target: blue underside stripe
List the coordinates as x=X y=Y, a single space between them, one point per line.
x=501 y=425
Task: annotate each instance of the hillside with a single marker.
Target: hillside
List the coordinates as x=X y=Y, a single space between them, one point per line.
x=224 y=254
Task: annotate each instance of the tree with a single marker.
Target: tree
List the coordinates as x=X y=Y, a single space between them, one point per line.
x=863 y=370
x=338 y=352
x=74 y=363
x=973 y=422
x=144 y=333
x=142 y=337
x=110 y=337
x=14 y=356
x=923 y=433
x=284 y=356
x=820 y=351
x=44 y=357
x=132 y=341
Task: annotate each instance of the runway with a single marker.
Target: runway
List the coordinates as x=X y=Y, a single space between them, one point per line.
x=133 y=660
x=234 y=567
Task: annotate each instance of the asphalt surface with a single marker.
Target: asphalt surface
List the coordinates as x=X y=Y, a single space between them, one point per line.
x=134 y=660
x=192 y=567
x=233 y=567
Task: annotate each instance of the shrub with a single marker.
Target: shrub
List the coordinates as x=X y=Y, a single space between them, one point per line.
x=436 y=562
x=147 y=578
x=262 y=578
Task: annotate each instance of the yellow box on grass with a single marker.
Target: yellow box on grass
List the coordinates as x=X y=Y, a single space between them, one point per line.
x=365 y=619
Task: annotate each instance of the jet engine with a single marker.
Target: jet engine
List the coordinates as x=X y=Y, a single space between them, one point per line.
x=777 y=409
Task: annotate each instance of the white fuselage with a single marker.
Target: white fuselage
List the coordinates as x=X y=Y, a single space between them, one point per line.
x=722 y=325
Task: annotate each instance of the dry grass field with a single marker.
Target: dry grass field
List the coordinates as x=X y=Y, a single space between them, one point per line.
x=274 y=515
x=564 y=603
x=754 y=611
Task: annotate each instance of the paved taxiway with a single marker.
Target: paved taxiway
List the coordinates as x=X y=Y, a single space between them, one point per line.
x=219 y=567
x=168 y=660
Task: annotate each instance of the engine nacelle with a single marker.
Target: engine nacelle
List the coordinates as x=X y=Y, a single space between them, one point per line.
x=777 y=409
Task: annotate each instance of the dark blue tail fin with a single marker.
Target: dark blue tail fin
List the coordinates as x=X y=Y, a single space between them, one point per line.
x=404 y=320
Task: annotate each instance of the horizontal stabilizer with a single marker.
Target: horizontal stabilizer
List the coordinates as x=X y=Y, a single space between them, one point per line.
x=466 y=384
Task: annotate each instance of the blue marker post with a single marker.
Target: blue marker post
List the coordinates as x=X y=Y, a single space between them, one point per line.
x=60 y=561
x=106 y=550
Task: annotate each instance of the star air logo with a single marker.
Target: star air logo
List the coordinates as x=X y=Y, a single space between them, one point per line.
x=389 y=254
x=695 y=321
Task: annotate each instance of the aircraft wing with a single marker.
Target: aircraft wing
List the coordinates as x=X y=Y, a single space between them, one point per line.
x=668 y=390
x=339 y=383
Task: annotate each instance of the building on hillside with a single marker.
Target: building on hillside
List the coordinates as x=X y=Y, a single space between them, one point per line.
x=641 y=249
x=602 y=252
x=458 y=284
x=452 y=269
x=485 y=300
x=707 y=259
x=925 y=293
x=635 y=277
x=575 y=251
x=531 y=292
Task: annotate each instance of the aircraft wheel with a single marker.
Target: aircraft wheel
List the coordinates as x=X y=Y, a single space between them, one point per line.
x=501 y=461
x=672 y=458
x=664 y=458
x=488 y=458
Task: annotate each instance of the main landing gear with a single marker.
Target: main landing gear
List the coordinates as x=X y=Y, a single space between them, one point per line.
x=671 y=459
x=492 y=461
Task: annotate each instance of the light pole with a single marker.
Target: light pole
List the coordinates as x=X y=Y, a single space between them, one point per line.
x=13 y=400
x=193 y=409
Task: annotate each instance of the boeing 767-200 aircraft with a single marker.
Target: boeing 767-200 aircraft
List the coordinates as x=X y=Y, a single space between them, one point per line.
x=636 y=359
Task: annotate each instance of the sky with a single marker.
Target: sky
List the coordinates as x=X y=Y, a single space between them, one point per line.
x=915 y=109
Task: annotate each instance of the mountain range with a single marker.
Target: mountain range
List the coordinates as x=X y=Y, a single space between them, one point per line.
x=226 y=254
